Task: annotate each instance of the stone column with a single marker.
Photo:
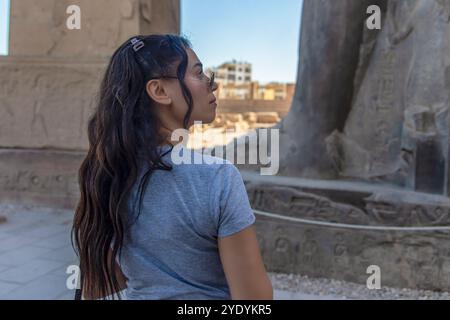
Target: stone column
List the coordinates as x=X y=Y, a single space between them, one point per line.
x=48 y=86
x=329 y=50
x=397 y=130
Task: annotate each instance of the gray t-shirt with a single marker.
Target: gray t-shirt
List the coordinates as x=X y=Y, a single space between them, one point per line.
x=171 y=251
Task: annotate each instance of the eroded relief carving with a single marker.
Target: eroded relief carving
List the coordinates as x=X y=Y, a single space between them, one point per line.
x=282 y=250
x=407 y=70
x=292 y=202
x=146 y=10
x=406 y=259
x=127 y=9
x=51 y=104
x=37 y=182
x=390 y=208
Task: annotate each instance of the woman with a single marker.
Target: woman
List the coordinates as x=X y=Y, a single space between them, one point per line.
x=161 y=230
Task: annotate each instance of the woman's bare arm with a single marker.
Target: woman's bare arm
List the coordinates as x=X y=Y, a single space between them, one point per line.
x=243 y=266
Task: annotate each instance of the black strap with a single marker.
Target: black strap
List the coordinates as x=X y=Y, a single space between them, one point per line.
x=77 y=294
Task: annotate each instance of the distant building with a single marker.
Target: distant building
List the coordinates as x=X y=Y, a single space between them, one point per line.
x=233 y=72
x=274 y=91
x=234 y=81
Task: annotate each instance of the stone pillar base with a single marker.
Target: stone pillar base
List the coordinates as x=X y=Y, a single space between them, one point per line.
x=338 y=229
x=40 y=177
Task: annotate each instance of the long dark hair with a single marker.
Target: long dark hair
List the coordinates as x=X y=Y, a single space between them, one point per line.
x=123 y=135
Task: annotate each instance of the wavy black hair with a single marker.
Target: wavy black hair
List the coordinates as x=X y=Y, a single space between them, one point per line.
x=123 y=134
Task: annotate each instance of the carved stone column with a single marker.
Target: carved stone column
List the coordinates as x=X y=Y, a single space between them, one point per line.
x=404 y=96
x=48 y=86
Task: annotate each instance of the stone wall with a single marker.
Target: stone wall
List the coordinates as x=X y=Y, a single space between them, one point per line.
x=241 y=106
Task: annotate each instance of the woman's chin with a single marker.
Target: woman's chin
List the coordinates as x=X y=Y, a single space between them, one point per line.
x=213 y=117
x=207 y=117
x=210 y=118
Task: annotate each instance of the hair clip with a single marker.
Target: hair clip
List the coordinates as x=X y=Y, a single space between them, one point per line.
x=137 y=44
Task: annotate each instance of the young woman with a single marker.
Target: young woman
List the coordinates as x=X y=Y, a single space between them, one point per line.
x=157 y=229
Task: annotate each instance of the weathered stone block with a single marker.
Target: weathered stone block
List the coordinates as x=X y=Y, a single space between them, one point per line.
x=40 y=177
x=105 y=24
x=338 y=229
x=46 y=103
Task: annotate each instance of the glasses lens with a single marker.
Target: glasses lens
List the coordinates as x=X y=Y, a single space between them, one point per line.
x=211 y=83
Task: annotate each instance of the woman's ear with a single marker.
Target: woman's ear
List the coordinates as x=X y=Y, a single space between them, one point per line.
x=155 y=89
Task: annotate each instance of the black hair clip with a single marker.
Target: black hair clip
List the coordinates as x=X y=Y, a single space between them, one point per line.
x=137 y=44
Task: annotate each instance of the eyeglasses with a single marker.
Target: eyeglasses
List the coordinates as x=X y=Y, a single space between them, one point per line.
x=210 y=82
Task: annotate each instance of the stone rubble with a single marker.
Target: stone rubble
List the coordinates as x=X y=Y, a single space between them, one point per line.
x=348 y=290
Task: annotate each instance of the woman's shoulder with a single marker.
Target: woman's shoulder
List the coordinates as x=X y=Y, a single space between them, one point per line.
x=212 y=167
x=198 y=160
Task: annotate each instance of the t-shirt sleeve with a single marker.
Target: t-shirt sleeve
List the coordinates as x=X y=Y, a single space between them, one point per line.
x=229 y=201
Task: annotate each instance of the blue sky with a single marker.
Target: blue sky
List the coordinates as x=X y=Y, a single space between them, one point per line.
x=262 y=32
x=4 y=26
